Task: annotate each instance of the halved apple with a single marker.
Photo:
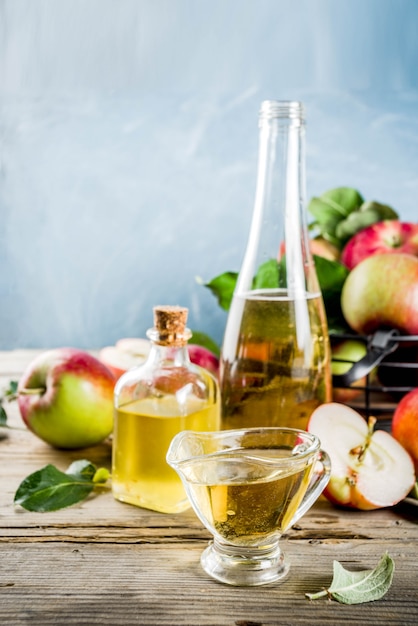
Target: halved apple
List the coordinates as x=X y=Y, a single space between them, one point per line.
x=369 y=468
x=125 y=354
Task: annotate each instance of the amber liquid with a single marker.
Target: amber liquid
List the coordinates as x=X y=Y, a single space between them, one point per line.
x=275 y=366
x=251 y=510
x=142 y=434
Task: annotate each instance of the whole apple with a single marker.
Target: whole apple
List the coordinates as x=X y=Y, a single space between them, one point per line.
x=369 y=468
x=405 y=425
x=382 y=292
x=65 y=397
x=388 y=236
x=344 y=354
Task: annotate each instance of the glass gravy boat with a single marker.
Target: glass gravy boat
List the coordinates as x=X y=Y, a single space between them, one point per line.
x=248 y=486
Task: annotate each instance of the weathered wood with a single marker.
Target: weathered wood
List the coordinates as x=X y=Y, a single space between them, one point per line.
x=103 y=562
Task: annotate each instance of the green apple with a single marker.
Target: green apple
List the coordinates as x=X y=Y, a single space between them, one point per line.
x=65 y=397
x=382 y=292
x=344 y=354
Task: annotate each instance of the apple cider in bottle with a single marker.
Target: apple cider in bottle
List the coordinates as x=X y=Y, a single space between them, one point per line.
x=165 y=395
x=275 y=360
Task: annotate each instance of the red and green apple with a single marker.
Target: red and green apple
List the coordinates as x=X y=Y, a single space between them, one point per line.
x=387 y=236
x=65 y=397
x=382 y=292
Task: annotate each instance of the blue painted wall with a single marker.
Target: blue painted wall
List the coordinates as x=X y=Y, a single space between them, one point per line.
x=128 y=145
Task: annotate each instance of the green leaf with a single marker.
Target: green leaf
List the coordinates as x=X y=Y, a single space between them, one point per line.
x=354 y=223
x=331 y=274
x=384 y=211
x=357 y=587
x=201 y=339
x=49 y=489
x=332 y=208
x=3 y=416
x=324 y=212
x=82 y=469
x=267 y=276
x=11 y=391
x=9 y=394
x=346 y=199
x=331 y=278
x=223 y=287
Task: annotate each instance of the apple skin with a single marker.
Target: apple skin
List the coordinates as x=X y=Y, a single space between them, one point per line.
x=318 y=246
x=382 y=292
x=125 y=354
x=203 y=357
x=405 y=425
x=385 y=475
x=347 y=352
x=321 y=247
x=388 y=236
x=74 y=407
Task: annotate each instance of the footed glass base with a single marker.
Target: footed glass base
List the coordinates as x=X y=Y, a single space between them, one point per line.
x=244 y=566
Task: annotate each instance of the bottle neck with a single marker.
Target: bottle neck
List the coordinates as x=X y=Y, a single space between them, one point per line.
x=168 y=355
x=279 y=225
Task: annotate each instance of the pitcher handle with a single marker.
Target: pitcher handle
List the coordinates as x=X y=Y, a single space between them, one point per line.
x=316 y=486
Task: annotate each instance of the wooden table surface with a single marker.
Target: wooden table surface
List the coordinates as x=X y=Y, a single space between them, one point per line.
x=104 y=562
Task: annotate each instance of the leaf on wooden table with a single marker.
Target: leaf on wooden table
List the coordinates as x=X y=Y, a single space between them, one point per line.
x=50 y=489
x=357 y=587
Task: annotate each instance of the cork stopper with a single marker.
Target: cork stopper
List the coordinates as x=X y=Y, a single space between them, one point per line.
x=170 y=325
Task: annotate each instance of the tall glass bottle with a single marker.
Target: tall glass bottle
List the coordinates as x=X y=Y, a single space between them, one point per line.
x=275 y=361
x=153 y=402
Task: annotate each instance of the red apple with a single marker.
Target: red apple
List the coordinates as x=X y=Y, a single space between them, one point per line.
x=382 y=291
x=388 y=236
x=344 y=354
x=405 y=425
x=369 y=469
x=65 y=397
x=203 y=357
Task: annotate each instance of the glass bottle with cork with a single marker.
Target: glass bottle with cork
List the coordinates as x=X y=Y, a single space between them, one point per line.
x=153 y=402
x=275 y=358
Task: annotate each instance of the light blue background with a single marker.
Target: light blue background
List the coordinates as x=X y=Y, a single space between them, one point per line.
x=128 y=145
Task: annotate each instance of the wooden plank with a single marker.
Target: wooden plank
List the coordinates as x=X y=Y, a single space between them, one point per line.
x=164 y=585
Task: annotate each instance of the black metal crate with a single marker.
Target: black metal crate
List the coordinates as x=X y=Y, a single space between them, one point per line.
x=394 y=374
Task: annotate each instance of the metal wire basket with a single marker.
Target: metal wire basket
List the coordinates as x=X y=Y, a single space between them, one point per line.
x=380 y=379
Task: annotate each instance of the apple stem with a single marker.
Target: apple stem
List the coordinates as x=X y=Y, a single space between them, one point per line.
x=31 y=392
x=319 y=594
x=363 y=449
